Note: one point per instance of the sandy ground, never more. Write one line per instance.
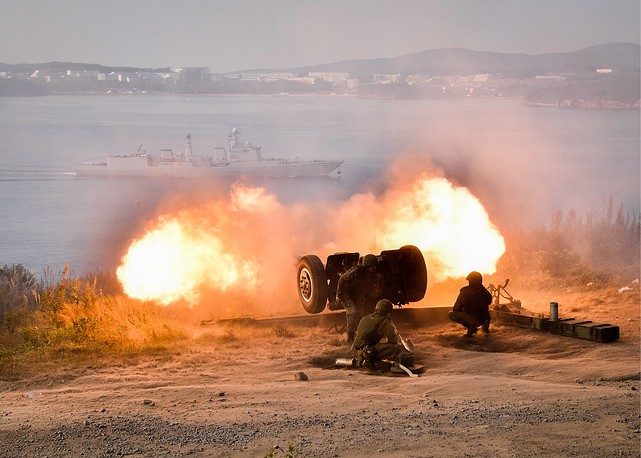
(235, 392)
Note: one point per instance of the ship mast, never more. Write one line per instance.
(188, 148)
(233, 138)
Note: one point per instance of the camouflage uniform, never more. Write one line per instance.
(358, 291)
(371, 330)
(471, 308)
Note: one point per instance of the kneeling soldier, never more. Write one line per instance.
(371, 331)
(471, 308)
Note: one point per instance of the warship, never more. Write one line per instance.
(238, 158)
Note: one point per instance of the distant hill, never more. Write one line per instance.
(570, 78)
(459, 61)
(605, 92)
(64, 66)
(15, 87)
(435, 62)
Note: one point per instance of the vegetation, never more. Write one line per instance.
(45, 320)
(604, 91)
(601, 248)
(20, 88)
(88, 318)
(291, 452)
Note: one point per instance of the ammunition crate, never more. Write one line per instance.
(597, 332)
(568, 327)
(564, 327)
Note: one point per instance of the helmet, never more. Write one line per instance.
(384, 305)
(369, 260)
(474, 277)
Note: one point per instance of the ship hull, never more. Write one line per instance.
(237, 159)
(203, 170)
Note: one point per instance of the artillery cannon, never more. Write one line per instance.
(403, 271)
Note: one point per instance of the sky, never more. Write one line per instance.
(231, 35)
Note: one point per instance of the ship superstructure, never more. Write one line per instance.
(237, 158)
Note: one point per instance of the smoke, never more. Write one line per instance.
(459, 179)
(523, 166)
(421, 207)
(238, 254)
(227, 255)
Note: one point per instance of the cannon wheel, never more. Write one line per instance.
(414, 272)
(312, 284)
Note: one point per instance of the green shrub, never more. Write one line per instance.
(291, 452)
(17, 291)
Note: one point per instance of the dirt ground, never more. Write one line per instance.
(235, 391)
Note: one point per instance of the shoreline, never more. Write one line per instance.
(584, 105)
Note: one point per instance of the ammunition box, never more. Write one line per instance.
(564, 327)
(597, 332)
(568, 327)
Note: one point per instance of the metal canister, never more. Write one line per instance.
(554, 311)
(346, 362)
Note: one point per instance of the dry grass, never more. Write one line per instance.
(73, 319)
(89, 321)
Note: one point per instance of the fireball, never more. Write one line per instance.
(172, 261)
(249, 243)
(447, 223)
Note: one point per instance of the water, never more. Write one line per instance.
(521, 162)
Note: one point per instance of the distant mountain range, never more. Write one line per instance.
(64, 66)
(436, 62)
(459, 61)
(566, 80)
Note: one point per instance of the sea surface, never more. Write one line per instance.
(521, 162)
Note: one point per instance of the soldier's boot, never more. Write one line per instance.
(405, 358)
(471, 330)
(350, 337)
(362, 361)
(368, 363)
(485, 327)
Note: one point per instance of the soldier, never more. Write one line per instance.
(358, 290)
(371, 331)
(471, 308)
